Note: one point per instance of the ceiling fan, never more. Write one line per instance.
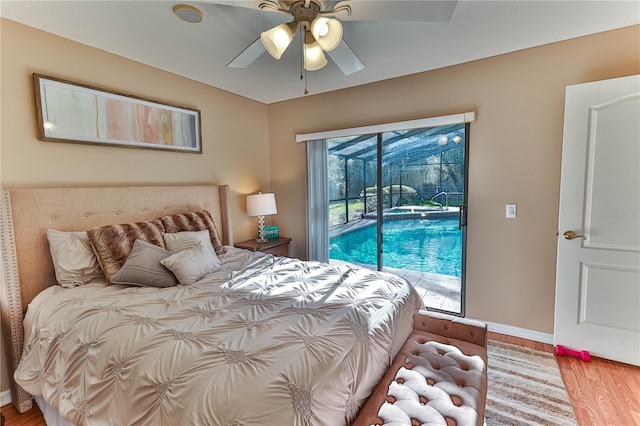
(320, 27)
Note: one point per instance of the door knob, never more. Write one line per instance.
(570, 235)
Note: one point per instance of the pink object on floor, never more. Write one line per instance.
(583, 355)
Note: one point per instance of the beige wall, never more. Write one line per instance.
(515, 154)
(234, 129)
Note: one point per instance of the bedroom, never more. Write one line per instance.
(512, 92)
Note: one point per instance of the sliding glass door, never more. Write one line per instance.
(396, 203)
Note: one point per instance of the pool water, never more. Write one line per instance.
(433, 246)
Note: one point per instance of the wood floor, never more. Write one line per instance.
(602, 392)
(30, 418)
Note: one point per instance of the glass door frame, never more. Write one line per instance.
(317, 195)
(462, 216)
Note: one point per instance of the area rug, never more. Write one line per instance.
(525, 388)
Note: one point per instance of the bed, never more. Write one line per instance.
(261, 340)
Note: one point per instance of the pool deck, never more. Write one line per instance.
(370, 218)
(349, 226)
(437, 291)
(441, 292)
(416, 212)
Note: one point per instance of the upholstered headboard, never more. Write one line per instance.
(27, 213)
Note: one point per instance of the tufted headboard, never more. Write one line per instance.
(27, 213)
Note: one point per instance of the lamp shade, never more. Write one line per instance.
(261, 204)
(277, 39)
(328, 32)
(314, 58)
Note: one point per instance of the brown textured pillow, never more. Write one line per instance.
(112, 244)
(194, 221)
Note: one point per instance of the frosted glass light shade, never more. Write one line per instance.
(277, 39)
(314, 58)
(328, 32)
(261, 204)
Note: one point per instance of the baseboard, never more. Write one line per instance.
(5, 398)
(536, 336)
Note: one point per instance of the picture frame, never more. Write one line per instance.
(78, 113)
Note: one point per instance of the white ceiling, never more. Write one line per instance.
(148, 32)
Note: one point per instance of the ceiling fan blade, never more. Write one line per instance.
(345, 58)
(248, 55)
(400, 10)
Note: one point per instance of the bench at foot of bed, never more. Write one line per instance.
(438, 377)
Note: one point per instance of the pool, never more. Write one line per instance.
(433, 246)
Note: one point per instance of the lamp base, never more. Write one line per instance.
(261, 238)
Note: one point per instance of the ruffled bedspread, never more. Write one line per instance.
(275, 341)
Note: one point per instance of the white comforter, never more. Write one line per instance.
(276, 341)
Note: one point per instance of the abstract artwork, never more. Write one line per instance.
(70, 112)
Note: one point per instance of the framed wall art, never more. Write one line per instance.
(71, 112)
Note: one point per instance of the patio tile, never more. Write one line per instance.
(421, 291)
(451, 305)
(434, 299)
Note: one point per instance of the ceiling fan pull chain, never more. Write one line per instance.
(304, 59)
(303, 68)
(301, 53)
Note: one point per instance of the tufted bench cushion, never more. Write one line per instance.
(439, 377)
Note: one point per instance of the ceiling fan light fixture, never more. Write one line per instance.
(277, 39)
(328, 32)
(314, 57)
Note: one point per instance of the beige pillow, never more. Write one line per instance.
(194, 221)
(113, 243)
(192, 264)
(143, 267)
(74, 262)
(178, 241)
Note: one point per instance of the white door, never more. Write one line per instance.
(598, 275)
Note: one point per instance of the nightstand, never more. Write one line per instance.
(275, 246)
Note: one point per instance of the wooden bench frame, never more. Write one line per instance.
(467, 335)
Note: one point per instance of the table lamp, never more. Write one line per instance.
(261, 205)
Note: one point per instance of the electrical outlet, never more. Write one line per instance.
(511, 211)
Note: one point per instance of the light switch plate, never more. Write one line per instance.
(511, 211)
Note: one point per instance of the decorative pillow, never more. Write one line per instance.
(73, 259)
(184, 240)
(143, 267)
(194, 221)
(112, 244)
(191, 265)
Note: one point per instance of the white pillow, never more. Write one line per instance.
(192, 264)
(178, 241)
(73, 259)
